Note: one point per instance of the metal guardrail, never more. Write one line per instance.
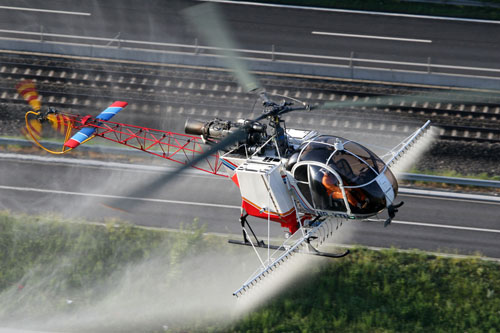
(450, 180)
(272, 55)
(345, 67)
(125, 151)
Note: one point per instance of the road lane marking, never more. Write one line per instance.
(251, 52)
(88, 163)
(110, 196)
(40, 10)
(467, 197)
(178, 202)
(336, 34)
(475, 201)
(432, 225)
(351, 11)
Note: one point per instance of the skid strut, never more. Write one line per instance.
(299, 242)
(311, 249)
(246, 241)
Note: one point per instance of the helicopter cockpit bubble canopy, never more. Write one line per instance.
(338, 175)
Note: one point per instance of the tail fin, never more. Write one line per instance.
(86, 133)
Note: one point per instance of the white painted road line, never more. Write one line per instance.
(335, 34)
(441, 195)
(109, 196)
(40, 10)
(432, 225)
(177, 202)
(87, 163)
(350, 11)
(457, 227)
(450, 195)
(251, 52)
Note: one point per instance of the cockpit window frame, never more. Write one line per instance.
(329, 169)
(371, 181)
(344, 142)
(345, 164)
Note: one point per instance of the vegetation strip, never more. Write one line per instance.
(74, 265)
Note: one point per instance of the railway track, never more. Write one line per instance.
(154, 91)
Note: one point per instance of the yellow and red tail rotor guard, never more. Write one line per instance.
(61, 123)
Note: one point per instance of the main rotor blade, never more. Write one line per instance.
(154, 185)
(157, 183)
(211, 26)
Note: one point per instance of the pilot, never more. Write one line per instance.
(330, 183)
(355, 197)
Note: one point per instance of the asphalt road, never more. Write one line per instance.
(394, 38)
(452, 225)
(214, 200)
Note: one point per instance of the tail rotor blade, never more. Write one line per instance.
(27, 90)
(208, 22)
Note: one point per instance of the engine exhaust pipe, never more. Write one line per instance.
(194, 127)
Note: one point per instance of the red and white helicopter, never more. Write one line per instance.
(307, 182)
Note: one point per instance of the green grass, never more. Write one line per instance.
(388, 291)
(368, 291)
(396, 6)
(45, 260)
(453, 173)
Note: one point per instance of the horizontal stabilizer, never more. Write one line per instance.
(86, 133)
(113, 109)
(79, 137)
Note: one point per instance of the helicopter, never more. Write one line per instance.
(307, 182)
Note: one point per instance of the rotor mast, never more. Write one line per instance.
(273, 111)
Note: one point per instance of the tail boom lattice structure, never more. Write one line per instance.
(179, 148)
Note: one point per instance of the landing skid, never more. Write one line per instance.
(298, 242)
(311, 251)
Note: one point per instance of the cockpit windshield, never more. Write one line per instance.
(336, 174)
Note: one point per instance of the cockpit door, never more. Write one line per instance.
(322, 186)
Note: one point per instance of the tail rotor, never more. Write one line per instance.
(35, 118)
